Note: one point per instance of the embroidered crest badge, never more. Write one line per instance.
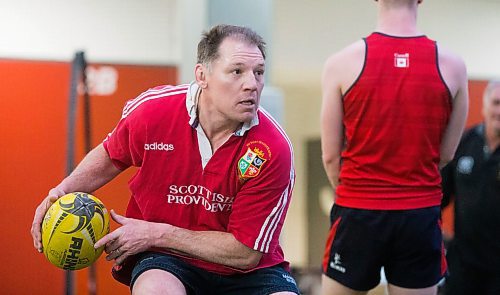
(251, 163)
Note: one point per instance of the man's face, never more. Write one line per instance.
(491, 110)
(234, 81)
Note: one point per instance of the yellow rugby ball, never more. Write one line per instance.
(71, 227)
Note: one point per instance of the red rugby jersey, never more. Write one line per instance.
(244, 188)
(395, 115)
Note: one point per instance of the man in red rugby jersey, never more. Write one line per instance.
(394, 107)
(214, 181)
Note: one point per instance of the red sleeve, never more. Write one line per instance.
(260, 207)
(124, 144)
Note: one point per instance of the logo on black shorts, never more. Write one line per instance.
(336, 263)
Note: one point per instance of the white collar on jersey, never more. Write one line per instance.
(193, 94)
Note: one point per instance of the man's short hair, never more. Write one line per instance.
(489, 88)
(208, 47)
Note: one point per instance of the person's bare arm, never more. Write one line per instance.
(95, 170)
(135, 236)
(332, 131)
(454, 74)
(340, 72)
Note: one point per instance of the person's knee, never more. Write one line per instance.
(157, 281)
(395, 290)
(329, 286)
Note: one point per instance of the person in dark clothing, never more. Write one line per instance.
(472, 179)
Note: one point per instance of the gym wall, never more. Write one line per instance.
(33, 127)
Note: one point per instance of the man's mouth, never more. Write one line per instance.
(249, 102)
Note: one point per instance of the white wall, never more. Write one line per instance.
(306, 32)
(193, 20)
(470, 28)
(143, 32)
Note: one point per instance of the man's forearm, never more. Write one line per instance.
(94, 171)
(332, 169)
(212, 246)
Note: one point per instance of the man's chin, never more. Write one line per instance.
(247, 117)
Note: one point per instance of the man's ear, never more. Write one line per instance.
(200, 72)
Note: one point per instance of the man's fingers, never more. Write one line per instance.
(118, 218)
(52, 199)
(119, 260)
(105, 240)
(111, 246)
(113, 254)
(36, 234)
(37, 222)
(119, 255)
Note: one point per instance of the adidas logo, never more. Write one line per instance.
(158, 146)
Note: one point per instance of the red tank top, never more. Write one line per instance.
(395, 115)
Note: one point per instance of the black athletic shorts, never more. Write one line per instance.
(198, 281)
(407, 243)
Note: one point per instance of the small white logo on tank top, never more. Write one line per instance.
(402, 60)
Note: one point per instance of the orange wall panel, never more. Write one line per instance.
(33, 126)
(32, 153)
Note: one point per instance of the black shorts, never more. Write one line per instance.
(199, 281)
(407, 243)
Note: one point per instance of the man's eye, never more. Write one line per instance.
(259, 73)
(237, 71)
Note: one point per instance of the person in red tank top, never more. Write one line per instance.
(394, 108)
(213, 185)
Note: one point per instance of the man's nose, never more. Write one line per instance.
(251, 81)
